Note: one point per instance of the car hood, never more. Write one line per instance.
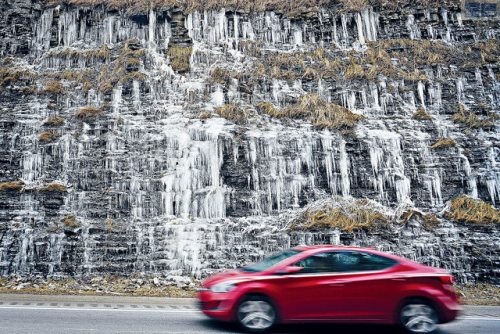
(228, 275)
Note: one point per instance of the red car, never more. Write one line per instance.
(332, 284)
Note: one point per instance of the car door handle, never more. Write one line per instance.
(398, 279)
(337, 283)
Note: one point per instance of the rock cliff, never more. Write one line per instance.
(180, 139)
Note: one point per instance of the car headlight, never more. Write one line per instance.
(223, 287)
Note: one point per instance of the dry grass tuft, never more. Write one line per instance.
(479, 294)
(70, 221)
(470, 119)
(88, 112)
(321, 113)
(468, 210)
(268, 108)
(53, 187)
(204, 115)
(180, 58)
(232, 112)
(54, 121)
(53, 87)
(109, 224)
(444, 143)
(429, 221)
(11, 186)
(357, 216)
(48, 136)
(422, 115)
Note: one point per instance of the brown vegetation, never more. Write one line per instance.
(468, 210)
(357, 216)
(53, 87)
(88, 112)
(9, 75)
(321, 113)
(180, 57)
(287, 7)
(48, 136)
(471, 119)
(232, 112)
(11, 186)
(54, 121)
(422, 115)
(70, 221)
(429, 221)
(53, 187)
(444, 143)
(102, 53)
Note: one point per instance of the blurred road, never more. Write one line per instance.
(78, 314)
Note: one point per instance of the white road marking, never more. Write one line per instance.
(97, 309)
(479, 318)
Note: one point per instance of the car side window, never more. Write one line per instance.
(341, 262)
(317, 263)
(372, 262)
(359, 261)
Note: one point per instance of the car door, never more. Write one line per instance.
(309, 294)
(363, 284)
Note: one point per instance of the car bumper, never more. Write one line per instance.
(217, 305)
(450, 309)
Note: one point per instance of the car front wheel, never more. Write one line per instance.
(419, 317)
(256, 314)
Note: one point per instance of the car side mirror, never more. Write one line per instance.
(288, 270)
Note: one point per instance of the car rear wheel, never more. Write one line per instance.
(419, 317)
(256, 314)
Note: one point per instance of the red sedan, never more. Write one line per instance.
(332, 284)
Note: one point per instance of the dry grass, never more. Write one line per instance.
(97, 286)
(268, 108)
(102, 53)
(287, 7)
(48, 136)
(429, 221)
(88, 112)
(9, 75)
(357, 216)
(53, 187)
(470, 119)
(53, 87)
(444, 143)
(422, 115)
(222, 76)
(180, 57)
(468, 210)
(11, 186)
(479, 294)
(204, 115)
(70, 221)
(54, 121)
(321, 113)
(232, 112)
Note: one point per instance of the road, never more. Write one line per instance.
(102, 315)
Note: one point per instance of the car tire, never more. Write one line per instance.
(418, 316)
(256, 314)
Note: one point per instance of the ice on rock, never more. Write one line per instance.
(190, 196)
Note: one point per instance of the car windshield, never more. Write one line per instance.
(270, 261)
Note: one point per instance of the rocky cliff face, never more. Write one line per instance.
(186, 140)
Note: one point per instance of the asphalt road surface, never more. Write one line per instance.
(100, 315)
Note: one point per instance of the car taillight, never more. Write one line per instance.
(446, 279)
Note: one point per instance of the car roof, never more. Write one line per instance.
(318, 248)
(329, 247)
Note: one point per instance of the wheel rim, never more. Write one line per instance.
(256, 314)
(419, 318)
